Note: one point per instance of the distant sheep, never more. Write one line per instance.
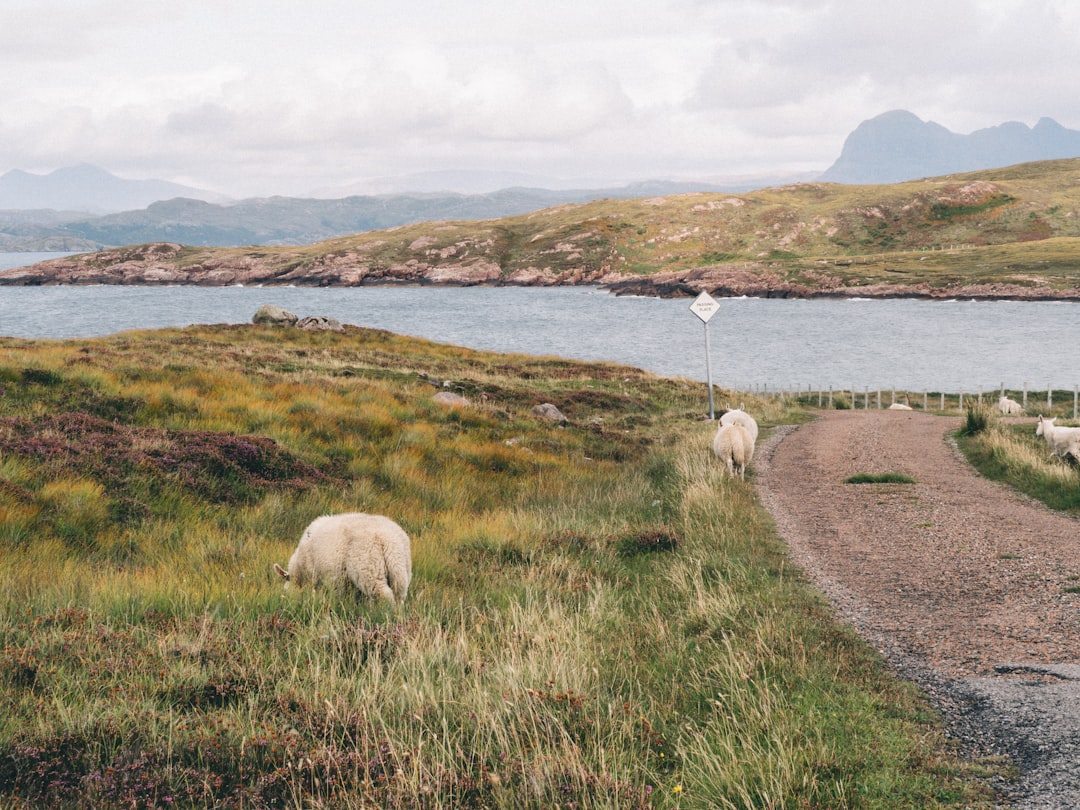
(899, 406)
(370, 551)
(1010, 407)
(734, 447)
(1064, 442)
(738, 417)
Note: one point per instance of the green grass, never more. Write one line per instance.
(598, 617)
(879, 478)
(1013, 454)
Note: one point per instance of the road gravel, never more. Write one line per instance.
(966, 587)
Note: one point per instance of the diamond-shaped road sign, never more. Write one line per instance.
(704, 306)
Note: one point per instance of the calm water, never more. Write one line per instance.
(910, 345)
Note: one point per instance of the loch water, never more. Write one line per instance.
(755, 344)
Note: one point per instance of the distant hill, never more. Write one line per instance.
(892, 148)
(291, 220)
(88, 189)
(898, 146)
(1012, 232)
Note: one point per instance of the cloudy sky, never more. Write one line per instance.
(258, 97)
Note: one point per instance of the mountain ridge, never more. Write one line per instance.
(275, 221)
(90, 189)
(893, 147)
(1012, 232)
(898, 146)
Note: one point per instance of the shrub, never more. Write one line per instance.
(978, 418)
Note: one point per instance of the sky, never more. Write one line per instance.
(261, 97)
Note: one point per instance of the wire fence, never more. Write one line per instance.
(1031, 402)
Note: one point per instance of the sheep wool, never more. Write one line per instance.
(740, 417)
(1010, 407)
(1064, 442)
(371, 552)
(734, 447)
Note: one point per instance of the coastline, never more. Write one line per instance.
(167, 264)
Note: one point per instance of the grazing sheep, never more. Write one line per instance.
(1064, 442)
(899, 406)
(1010, 407)
(734, 447)
(737, 417)
(370, 551)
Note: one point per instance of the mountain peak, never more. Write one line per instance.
(897, 146)
(89, 188)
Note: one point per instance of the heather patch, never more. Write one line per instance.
(38, 389)
(220, 467)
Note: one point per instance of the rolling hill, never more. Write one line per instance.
(1010, 232)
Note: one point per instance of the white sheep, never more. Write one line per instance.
(734, 447)
(1010, 407)
(370, 551)
(738, 417)
(1064, 442)
(899, 406)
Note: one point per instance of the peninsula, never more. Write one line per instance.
(1011, 233)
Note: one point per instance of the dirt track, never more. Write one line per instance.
(963, 585)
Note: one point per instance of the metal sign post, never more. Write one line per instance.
(705, 307)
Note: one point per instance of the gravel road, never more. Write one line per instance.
(964, 586)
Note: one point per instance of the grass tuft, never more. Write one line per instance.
(879, 478)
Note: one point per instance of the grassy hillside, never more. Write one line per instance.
(597, 618)
(1016, 227)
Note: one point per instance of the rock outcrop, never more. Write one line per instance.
(272, 315)
(315, 323)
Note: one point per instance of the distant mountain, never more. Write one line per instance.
(292, 220)
(475, 181)
(898, 146)
(89, 189)
(999, 233)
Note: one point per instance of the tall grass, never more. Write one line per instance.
(1013, 454)
(598, 619)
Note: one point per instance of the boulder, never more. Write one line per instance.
(549, 412)
(315, 322)
(272, 315)
(450, 399)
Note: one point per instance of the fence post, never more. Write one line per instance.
(960, 401)
(866, 398)
(925, 400)
(1076, 389)
(1049, 404)
(1025, 396)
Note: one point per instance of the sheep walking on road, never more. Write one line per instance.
(370, 551)
(734, 447)
(1064, 442)
(1010, 407)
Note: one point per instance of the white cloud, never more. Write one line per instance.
(271, 96)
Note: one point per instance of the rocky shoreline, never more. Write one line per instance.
(167, 264)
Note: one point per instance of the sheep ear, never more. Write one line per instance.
(281, 571)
